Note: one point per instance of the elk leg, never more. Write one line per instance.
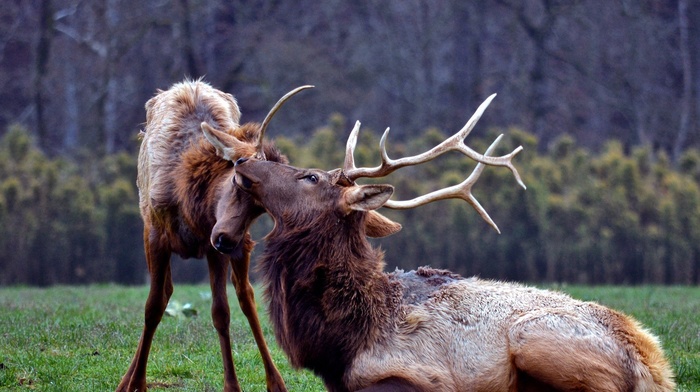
(246, 299)
(158, 260)
(560, 351)
(221, 316)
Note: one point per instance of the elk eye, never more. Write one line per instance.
(312, 178)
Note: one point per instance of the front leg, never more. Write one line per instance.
(246, 299)
(221, 316)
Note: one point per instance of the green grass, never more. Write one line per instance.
(83, 338)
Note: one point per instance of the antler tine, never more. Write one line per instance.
(454, 142)
(349, 163)
(462, 191)
(351, 172)
(259, 147)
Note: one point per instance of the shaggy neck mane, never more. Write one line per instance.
(328, 295)
(198, 179)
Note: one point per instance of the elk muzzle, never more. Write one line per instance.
(223, 243)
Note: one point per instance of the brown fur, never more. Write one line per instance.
(337, 313)
(184, 184)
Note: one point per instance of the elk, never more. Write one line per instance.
(185, 188)
(336, 312)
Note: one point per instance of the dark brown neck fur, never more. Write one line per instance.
(328, 295)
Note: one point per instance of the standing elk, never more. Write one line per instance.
(185, 188)
(336, 312)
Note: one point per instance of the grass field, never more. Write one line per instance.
(83, 338)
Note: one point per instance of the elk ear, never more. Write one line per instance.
(227, 146)
(365, 197)
(379, 226)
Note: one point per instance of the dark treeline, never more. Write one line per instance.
(76, 73)
(610, 217)
(607, 94)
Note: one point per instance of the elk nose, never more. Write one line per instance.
(240, 161)
(224, 244)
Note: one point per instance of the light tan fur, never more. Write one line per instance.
(168, 113)
(480, 335)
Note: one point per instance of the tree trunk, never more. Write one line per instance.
(686, 99)
(110, 85)
(43, 50)
(187, 41)
(466, 67)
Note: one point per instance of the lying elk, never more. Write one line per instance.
(337, 313)
(185, 188)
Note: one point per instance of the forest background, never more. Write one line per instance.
(603, 95)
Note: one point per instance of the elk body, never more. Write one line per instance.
(185, 194)
(336, 312)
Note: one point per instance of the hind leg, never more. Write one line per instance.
(158, 259)
(246, 299)
(567, 353)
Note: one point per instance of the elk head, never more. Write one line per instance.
(290, 193)
(235, 211)
(284, 190)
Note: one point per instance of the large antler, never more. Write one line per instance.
(453, 143)
(259, 147)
